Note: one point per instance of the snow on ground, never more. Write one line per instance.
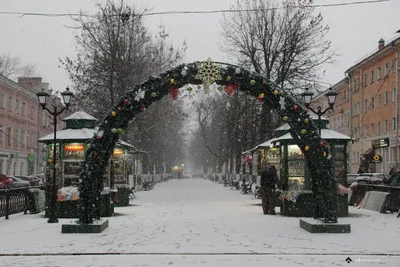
(181, 223)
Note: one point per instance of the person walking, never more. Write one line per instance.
(269, 180)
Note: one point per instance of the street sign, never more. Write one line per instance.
(377, 158)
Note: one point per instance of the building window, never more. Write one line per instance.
(358, 108)
(372, 76)
(386, 126)
(22, 137)
(1, 133)
(379, 100)
(378, 129)
(365, 79)
(17, 106)
(10, 103)
(372, 102)
(365, 130)
(16, 137)
(386, 69)
(354, 157)
(365, 105)
(9, 135)
(394, 95)
(394, 65)
(3, 100)
(394, 124)
(23, 109)
(378, 73)
(372, 129)
(386, 98)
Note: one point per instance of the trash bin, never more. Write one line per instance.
(37, 200)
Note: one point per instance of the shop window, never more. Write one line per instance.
(296, 168)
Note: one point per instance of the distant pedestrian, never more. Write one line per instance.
(179, 175)
(269, 181)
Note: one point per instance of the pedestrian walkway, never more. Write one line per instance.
(190, 221)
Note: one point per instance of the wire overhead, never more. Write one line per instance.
(22, 14)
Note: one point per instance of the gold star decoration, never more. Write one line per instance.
(208, 72)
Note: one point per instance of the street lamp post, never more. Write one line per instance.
(307, 98)
(330, 215)
(43, 97)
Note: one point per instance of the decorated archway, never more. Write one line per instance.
(232, 79)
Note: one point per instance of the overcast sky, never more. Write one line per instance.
(354, 31)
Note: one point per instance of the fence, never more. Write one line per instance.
(221, 177)
(14, 200)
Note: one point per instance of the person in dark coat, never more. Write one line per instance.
(269, 180)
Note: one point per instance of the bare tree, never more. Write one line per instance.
(284, 42)
(9, 65)
(115, 52)
(158, 131)
(29, 70)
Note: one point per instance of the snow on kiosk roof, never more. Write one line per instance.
(326, 134)
(80, 115)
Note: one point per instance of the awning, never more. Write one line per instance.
(268, 143)
(326, 134)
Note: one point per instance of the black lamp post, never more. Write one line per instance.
(43, 97)
(326, 192)
(307, 98)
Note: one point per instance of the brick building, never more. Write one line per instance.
(367, 108)
(22, 123)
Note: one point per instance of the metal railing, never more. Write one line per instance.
(14, 200)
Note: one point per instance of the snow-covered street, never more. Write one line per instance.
(197, 222)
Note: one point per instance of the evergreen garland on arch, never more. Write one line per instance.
(232, 79)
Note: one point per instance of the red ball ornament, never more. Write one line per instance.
(100, 137)
(142, 107)
(126, 101)
(295, 107)
(173, 91)
(119, 108)
(259, 99)
(230, 89)
(321, 144)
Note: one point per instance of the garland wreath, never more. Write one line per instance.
(229, 78)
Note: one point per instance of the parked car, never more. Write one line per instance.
(32, 180)
(19, 183)
(5, 182)
(369, 179)
(379, 175)
(351, 178)
(40, 176)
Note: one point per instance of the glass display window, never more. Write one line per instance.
(296, 168)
